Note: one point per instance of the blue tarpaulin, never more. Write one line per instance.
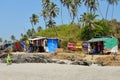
(22, 44)
(52, 45)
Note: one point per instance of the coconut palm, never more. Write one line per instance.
(29, 33)
(45, 11)
(39, 28)
(1, 40)
(99, 9)
(5, 41)
(91, 5)
(113, 2)
(61, 1)
(24, 38)
(13, 38)
(74, 12)
(45, 14)
(22, 35)
(89, 20)
(53, 12)
(45, 3)
(87, 4)
(72, 6)
(34, 20)
(77, 4)
(67, 3)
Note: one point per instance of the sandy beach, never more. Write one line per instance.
(50, 71)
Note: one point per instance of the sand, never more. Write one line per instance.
(50, 71)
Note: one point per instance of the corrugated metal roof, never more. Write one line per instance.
(39, 38)
(97, 39)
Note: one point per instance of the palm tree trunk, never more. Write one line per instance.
(45, 23)
(32, 31)
(112, 11)
(107, 11)
(77, 12)
(61, 14)
(54, 27)
(69, 15)
(100, 9)
(55, 31)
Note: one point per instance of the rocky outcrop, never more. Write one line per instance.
(27, 58)
(82, 62)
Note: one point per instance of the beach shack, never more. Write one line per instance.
(44, 44)
(37, 44)
(101, 44)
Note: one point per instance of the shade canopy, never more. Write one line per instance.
(97, 39)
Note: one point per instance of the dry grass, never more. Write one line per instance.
(109, 60)
(63, 56)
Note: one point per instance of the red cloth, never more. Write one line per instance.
(18, 46)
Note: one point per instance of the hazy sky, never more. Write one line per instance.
(14, 16)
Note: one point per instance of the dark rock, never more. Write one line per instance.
(27, 58)
(61, 62)
(87, 63)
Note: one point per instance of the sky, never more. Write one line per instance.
(15, 14)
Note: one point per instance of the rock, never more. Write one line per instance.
(87, 63)
(55, 61)
(27, 58)
(61, 62)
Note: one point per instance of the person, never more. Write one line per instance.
(93, 51)
(9, 61)
(98, 46)
(89, 48)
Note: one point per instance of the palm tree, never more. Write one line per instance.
(113, 2)
(1, 40)
(77, 4)
(13, 38)
(67, 3)
(74, 12)
(5, 41)
(24, 38)
(33, 30)
(49, 12)
(22, 35)
(72, 6)
(29, 33)
(91, 5)
(87, 4)
(45, 3)
(53, 12)
(39, 28)
(45, 14)
(89, 20)
(61, 1)
(34, 20)
(99, 9)
(45, 11)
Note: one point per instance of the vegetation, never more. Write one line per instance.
(87, 25)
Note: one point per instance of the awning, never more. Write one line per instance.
(97, 39)
(40, 38)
